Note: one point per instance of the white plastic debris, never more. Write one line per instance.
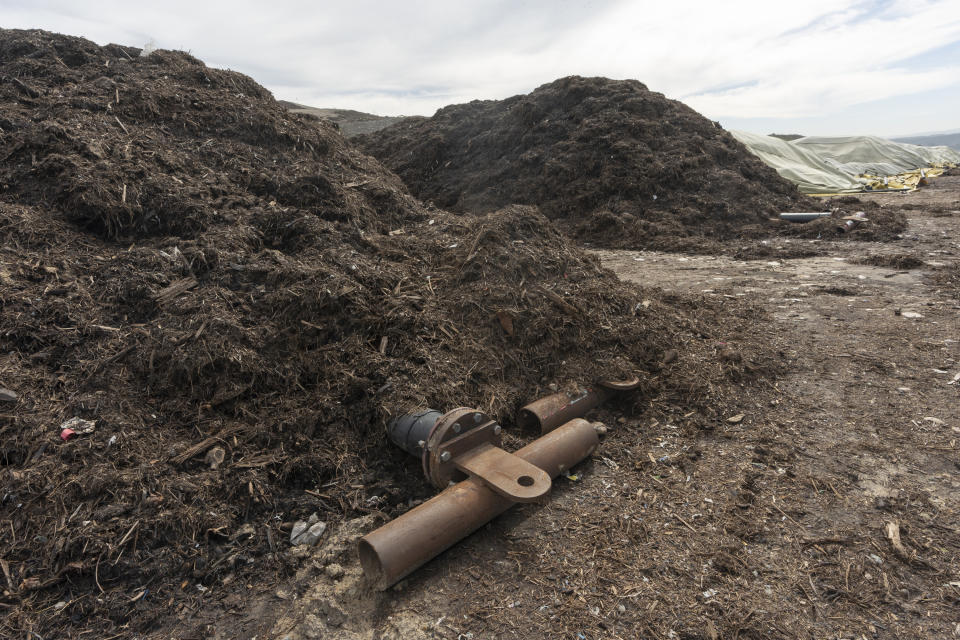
(79, 425)
(307, 532)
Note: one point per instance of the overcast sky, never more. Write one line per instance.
(819, 67)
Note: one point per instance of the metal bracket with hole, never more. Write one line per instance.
(460, 449)
(466, 442)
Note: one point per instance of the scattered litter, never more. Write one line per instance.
(215, 457)
(736, 419)
(937, 422)
(910, 314)
(307, 532)
(76, 427)
(892, 531)
(955, 380)
(6, 395)
(79, 425)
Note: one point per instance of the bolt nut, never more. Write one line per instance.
(421, 443)
(477, 418)
(445, 456)
(456, 427)
(497, 429)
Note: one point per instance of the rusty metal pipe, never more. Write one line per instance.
(393, 551)
(546, 414)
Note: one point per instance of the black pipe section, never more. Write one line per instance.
(410, 430)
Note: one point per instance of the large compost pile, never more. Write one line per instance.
(210, 309)
(620, 165)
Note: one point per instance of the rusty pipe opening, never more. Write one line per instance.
(370, 562)
(546, 414)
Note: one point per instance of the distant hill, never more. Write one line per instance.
(351, 123)
(786, 136)
(951, 140)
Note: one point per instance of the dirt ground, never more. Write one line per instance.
(825, 506)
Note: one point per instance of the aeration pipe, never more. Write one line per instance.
(397, 548)
(546, 414)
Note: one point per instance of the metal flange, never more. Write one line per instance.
(465, 442)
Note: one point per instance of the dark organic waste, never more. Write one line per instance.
(617, 164)
(892, 261)
(237, 299)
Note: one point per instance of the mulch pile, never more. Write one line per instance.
(621, 165)
(238, 300)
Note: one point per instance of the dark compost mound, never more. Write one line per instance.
(622, 166)
(237, 300)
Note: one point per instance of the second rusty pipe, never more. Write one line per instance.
(546, 414)
(405, 543)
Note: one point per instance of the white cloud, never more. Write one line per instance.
(749, 58)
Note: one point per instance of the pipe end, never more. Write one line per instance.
(528, 421)
(370, 562)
